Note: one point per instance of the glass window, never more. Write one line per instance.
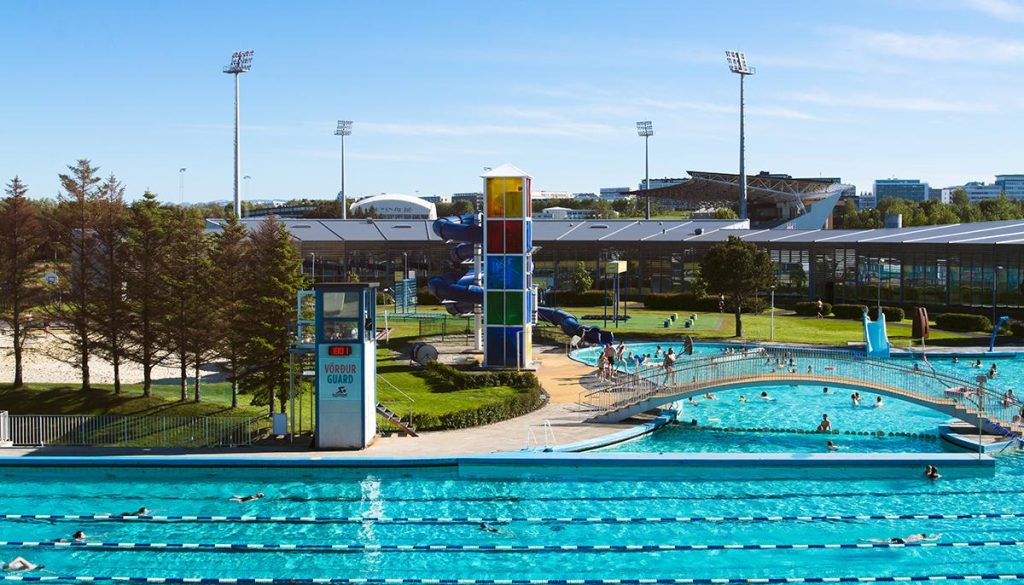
(341, 305)
(334, 330)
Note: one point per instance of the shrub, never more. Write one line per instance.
(423, 297)
(963, 322)
(1016, 328)
(590, 298)
(445, 378)
(525, 401)
(810, 309)
(848, 311)
(892, 314)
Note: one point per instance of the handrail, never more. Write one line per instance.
(412, 403)
(979, 397)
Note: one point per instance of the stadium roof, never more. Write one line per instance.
(1009, 232)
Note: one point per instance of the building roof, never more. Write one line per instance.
(505, 170)
(1010, 232)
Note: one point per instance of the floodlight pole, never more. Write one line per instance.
(181, 186)
(344, 129)
(743, 149)
(241, 62)
(645, 130)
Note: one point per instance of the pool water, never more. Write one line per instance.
(435, 493)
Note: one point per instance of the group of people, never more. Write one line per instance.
(614, 359)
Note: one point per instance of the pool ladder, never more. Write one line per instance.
(549, 437)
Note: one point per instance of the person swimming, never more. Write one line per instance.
(743, 398)
(932, 472)
(856, 398)
(878, 402)
(825, 390)
(921, 537)
(765, 397)
(20, 564)
(78, 536)
(710, 396)
(250, 498)
(692, 401)
(143, 511)
(831, 446)
(488, 528)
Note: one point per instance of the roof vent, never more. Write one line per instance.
(698, 231)
(599, 226)
(401, 226)
(296, 226)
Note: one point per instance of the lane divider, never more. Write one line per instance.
(415, 581)
(503, 519)
(210, 546)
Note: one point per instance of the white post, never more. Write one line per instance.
(238, 165)
(771, 334)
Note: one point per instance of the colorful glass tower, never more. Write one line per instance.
(508, 268)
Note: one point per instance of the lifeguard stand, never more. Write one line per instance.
(346, 365)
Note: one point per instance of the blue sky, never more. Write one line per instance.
(924, 89)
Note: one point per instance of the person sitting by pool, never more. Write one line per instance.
(765, 397)
(826, 425)
(249, 498)
(20, 564)
(878, 402)
(710, 396)
(831, 446)
(931, 472)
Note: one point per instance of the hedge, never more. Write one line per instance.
(963, 322)
(524, 402)
(810, 309)
(690, 302)
(1016, 328)
(849, 311)
(892, 314)
(445, 378)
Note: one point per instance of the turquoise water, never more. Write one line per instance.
(425, 492)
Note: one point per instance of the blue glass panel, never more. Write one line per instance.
(495, 271)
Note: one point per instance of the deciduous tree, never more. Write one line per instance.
(738, 269)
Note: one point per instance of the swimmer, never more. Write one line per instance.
(878, 402)
(488, 528)
(20, 564)
(977, 364)
(143, 511)
(710, 396)
(825, 390)
(831, 446)
(78, 536)
(931, 472)
(856, 398)
(917, 368)
(692, 401)
(922, 537)
(810, 370)
(743, 398)
(765, 397)
(252, 498)
(956, 360)
(826, 425)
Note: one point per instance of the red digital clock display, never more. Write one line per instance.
(339, 350)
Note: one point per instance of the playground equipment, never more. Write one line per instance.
(460, 293)
(875, 337)
(995, 331)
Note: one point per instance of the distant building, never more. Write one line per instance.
(474, 198)
(542, 195)
(281, 211)
(866, 201)
(435, 199)
(395, 206)
(662, 182)
(564, 213)
(584, 195)
(912, 189)
(615, 193)
(1012, 185)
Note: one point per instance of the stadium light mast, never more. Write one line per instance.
(645, 130)
(181, 185)
(344, 129)
(241, 62)
(738, 65)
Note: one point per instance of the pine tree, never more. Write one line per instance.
(232, 250)
(110, 312)
(146, 243)
(75, 244)
(22, 239)
(274, 280)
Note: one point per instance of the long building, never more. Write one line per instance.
(942, 267)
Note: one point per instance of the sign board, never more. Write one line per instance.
(51, 278)
(340, 375)
(615, 267)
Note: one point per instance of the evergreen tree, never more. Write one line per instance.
(110, 312)
(22, 239)
(581, 279)
(75, 243)
(146, 243)
(275, 277)
(231, 254)
(738, 269)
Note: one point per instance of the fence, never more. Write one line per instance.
(132, 431)
(5, 429)
(445, 326)
(815, 366)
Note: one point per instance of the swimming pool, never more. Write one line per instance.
(655, 527)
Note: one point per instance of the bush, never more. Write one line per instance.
(423, 297)
(689, 302)
(590, 298)
(892, 314)
(963, 322)
(849, 311)
(810, 309)
(1016, 328)
(445, 378)
(524, 402)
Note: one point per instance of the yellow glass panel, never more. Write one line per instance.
(514, 197)
(496, 197)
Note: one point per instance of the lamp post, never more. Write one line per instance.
(405, 262)
(645, 130)
(881, 263)
(241, 62)
(995, 283)
(312, 267)
(181, 185)
(738, 64)
(344, 129)
(771, 328)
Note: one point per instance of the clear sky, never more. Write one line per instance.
(927, 89)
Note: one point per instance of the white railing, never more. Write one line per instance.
(814, 366)
(5, 429)
(68, 430)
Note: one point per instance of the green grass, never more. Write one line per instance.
(69, 399)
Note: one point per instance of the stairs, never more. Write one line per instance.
(394, 418)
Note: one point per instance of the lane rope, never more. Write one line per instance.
(416, 581)
(502, 519)
(517, 548)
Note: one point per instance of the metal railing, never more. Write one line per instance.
(132, 431)
(5, 428)
(410, 403)
(918, 383)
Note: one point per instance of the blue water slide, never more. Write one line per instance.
(875, 337)
(460, 294)
(995, 331)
